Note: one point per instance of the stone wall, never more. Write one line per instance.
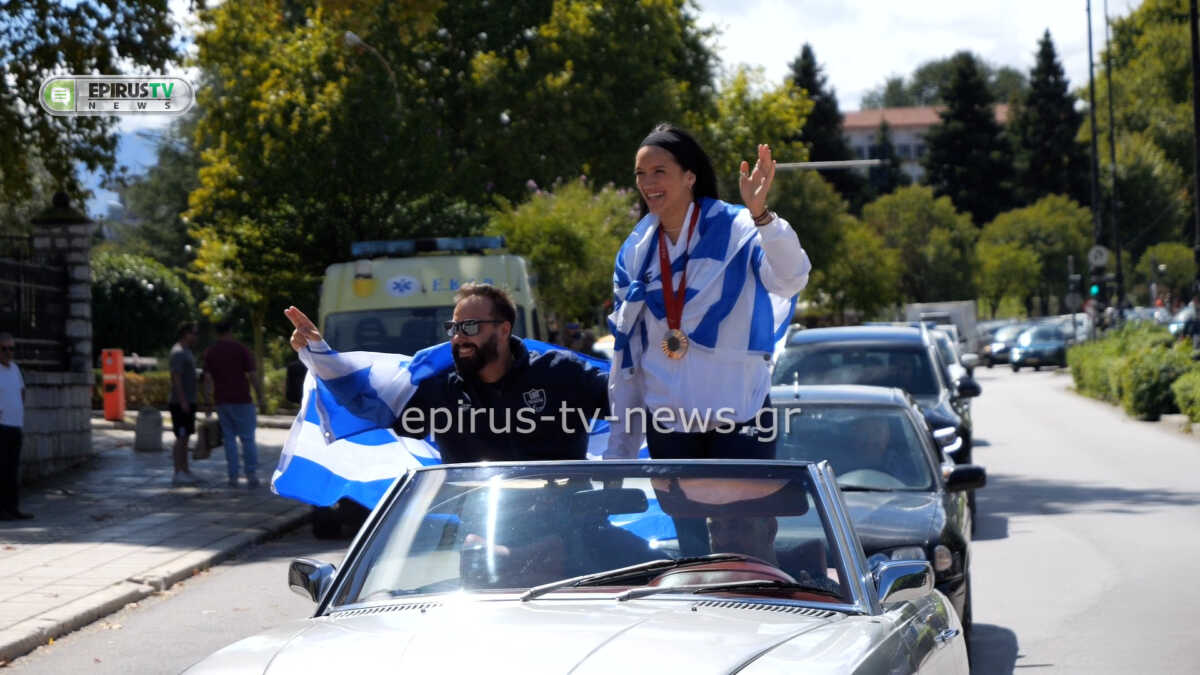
(58, 422)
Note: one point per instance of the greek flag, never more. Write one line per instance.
(727, 303)
(342, 444)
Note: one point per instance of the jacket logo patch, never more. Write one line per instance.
(536, 399)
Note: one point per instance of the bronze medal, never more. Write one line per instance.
(675, 345)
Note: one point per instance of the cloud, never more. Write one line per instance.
(862, 42)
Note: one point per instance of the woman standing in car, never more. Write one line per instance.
(691, 346)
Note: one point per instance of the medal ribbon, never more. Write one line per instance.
(672, 301)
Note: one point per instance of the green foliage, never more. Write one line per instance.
(154, 202)
(885, 179)
(862, 273)
(823, 127)
(935, 242)
(815, 210)
(137, 303)
(749, 113)
(968, 158)
(152, 389)
(1180, 268)
(274, 388)
(48, 37)
(1098, 366)
(1154, 203)
(930, 80)
(1047, 157)
(570, 236)
(1005, 269)
(1053, 228)
(1146, 379)
(1187, 394)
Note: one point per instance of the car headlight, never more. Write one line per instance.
(997, 346)
(907, 553)
(943, 559)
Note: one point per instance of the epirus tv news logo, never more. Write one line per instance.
(115, 95)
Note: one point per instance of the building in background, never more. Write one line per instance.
(908, 127)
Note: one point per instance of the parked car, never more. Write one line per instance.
(1183, 323)
(1002, 343)
(958, 364)
(556, 567)
(885, 356)
(907, 500)
(1042, 345)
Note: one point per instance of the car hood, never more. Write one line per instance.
(887, 520)
(714, 635)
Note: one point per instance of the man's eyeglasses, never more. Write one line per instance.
(469, 327)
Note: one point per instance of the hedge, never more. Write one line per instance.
(1187, 394)
(1134, 366)
(154, 387)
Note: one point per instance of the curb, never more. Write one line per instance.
(24, 637)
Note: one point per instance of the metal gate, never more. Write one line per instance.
(33, 305)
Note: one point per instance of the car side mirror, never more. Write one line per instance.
(966, 477)
(967, 387)
(969, 360)
(902, 580)
(310, 578)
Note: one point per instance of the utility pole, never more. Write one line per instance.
(1112, 161)
(1096, 228)
(1196, 142)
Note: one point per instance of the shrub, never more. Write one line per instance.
(1146, 378)
(274, 384)
(1187, 394)
(137, 303)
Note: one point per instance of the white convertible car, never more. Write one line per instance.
(610, 567)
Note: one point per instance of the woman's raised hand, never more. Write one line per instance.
(305, 330)
(757, 183)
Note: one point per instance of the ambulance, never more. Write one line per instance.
(396, 295)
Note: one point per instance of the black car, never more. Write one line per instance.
(883, 356)
(1041, 345)
(907, 500)
(1002, 343)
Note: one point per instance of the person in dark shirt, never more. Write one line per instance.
(499, 402)
(228, 373)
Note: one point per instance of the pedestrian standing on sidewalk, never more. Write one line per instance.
(182, 401)
(12, 420)
(228, 373)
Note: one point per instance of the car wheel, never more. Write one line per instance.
(989, 363)
(1036, 368)
(1016, 368)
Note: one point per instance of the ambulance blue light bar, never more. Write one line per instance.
(407, 247)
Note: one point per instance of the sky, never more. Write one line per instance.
(858, 42)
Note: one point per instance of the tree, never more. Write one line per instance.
(885, 179)
(816, 211)
(1170, 265)
(137, 302)
(154, 202)
(823, 127)
(1047, 157)
(930, 80)
(570, 236)
(968, 159)
(748, 113)
(863, 273)
(1153, 191)
(1054, 228)
(40, 38)
(936, 243)
(1003, 270)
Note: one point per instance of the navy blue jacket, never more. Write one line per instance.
(529, 399)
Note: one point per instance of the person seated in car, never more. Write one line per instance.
(755, 536)
(870, 441)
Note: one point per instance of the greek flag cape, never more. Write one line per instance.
(342, 444)
(727, 310)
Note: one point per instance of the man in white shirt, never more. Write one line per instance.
(12, 419)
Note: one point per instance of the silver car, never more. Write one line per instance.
(610, 567)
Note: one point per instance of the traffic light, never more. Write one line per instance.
(1098, 288)
(1073, 281)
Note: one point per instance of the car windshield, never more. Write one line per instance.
(509, 528)
(870, 447)
(1009, 333)
(403, 330)
(884, 365)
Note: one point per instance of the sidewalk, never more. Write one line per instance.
(114, 531)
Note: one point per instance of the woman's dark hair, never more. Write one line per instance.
(690, 156)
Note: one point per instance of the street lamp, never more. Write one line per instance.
(354, 42)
